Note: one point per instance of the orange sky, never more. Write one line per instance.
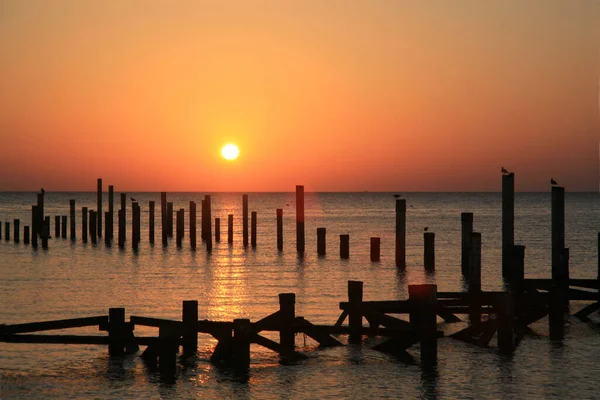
(378, 95)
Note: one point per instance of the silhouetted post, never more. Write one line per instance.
(72, 218)
(300, 219)
(0, 229)
(135, 225)
(151, 222)
(321, 241)
(7, 231)
(203, 220)
(245, 219)
(123, 224)
(193, 225)
(345, 246)
(556, 315)
(518, 269)
(56, 226)
(598, 259)
(190, 327)
(423, 301)
(179, 231)
(40, 214)
(280, 229)
(209, 240)
(34, 233)
(230, 228)
(168, 345)
(99, 210)
(505, 320)
(106, 228)
(508, 222)
(84, 224)
(111, 212)
(170, 219)
(121, 220)
(93, 229)
(429, 251)
(287, 313)
(26, 234)
(355, 298)
(560, 271)
(401, 233)
(217, 230)
(375, 249)
(475, 278)
(466, 220)
(116, 327)
(45, 232)
(241, 343)
(163, 216)
(64, 227)
(253, 229)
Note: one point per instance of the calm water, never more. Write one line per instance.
(73, 279)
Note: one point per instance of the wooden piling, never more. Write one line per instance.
(57, 226)
(99, 207)
(26, 234)
(344, 246)
(300, 219)
(151, 235)
(280, 229)
(203, 214)
(72, 220)
(7, 231)
(217, 230)
(560, 266)
(508, 222)
(121, 221)
(474, 279)
(517, 274)
(230, 228)
(253, 229)
(192, 213)
(135, 225)
(429, 251)
(423, 300)
(180, 227)
(116, 329)
(245, 219)
(209, 238)
(505, 320)
(170, 219)
(84, 224)
(287, 313)
(167, 350)
(401, 233)
(39, 214)
(111, 213)
(163, 217)
(106, 228)
(241, 343)
(34, 232)
(93, 230)
(556, 315)
(375, 249)
(466, 220)
(190, 327)
(64, 227)
(45, 231)
(355, 298)
(0, 229)
(321, 241)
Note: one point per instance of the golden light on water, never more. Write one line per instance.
(230, 151)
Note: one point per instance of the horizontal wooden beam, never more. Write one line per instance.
(53, 325)
(155, 322)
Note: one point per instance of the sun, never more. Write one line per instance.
(230, 151)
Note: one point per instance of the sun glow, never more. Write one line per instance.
(230, 151)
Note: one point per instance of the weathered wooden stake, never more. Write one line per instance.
(300, 219)
(121, 221)
(170, 219)
(423, 299)
(321, 241)
(72, 220)
(34, 232)
(505, 315)
(429, 250)
(56, 226)
(245, 219)
(45, 231)
(192, 213)
(517, 274)
(209, 238)
(179, 230)
(401, 233)
(203, 220)
(151, 207)
(93, 230)
(280, 229)
(217, 230)
(241, 343)
(167, 350)
(123, 228)
(64, 227)
(375, 249)
(556, 316)
(287, 313)
(7, 231)
(466, 220)
(230, 228)
(84, 224)
(253, 229)
(99, 207)
(508, 222)
(17, 230)
(560, 256)
(39, 214)
(345, 246)
(0, 229)
(106, 228)
(474, 279)
(190, 327)
(111, 213)
(26, 234)
(135, 225)
(163, 216)
(116, 326)
(355, 298)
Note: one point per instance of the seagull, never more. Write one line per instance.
(553, 182)
(43, 191)
(132, 199)
(503, 170)
(425, 229)
(397, 196)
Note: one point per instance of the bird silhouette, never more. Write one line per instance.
(132, 199)
(553, 182)
(397, 196)
(503, 170)
(43, 191)
(425, 229)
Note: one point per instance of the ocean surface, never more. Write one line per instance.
(73, 279)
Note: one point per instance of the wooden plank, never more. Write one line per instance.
(315, 333)
(585, 283)
(271, 345)
(397, 344)
(214, 327)
(446, 315)
(155, 322)
(383, 319)
(52, 325)
(586, 311)
(55, 339)
(270, 322)
(577, 294)
(342, 318)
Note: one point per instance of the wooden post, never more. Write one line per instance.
(560, 271)
(401, 233)
(72, 218)
(0, 229)
(111, 213)
(93, 230)
(151, 207)
(203, 220)
(375, 249)
(429, 250)
(34, 232)
(84, 224)
(99, 207)
(135, 225)
(209, 239)
(508, 222)
(40, 214)
(45, 232)
(253, 229)
(26, 234)
(190, 327)
(56, 226)
(355, 298)
(170, 219)
(7, 231)
(466, 220)
(167, 350)
(344, 246)
(556, 315)
(64, 227)
(193, 225)
(179, 230)
(280, 229)
(106, 228)
(517, 274)
(287, 313)
(423, 300)
(241, 343)
(505, 314)
(217, 230)
(121, 220)
(123, 223)
(321, 241)
(163, 217)
(245, 219)
(116, 323)
(300, 219)
(230, 228)
(598, 260)
(474, 279)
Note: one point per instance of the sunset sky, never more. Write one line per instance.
(378, 95)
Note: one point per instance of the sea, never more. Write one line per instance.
(73, 279)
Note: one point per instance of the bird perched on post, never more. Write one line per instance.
(132, 199)
(553, 182)
(503, 170)
(43, 191)
(425, 229)
(397, 196)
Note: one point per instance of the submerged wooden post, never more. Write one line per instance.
(106, 228)
(321, 241)
(474, 279)
(170, 219)
(505, 319)
(190, 327)
(401, 233)
(517, 274)
(355, 298)
(287, 313)
(230, 228)
(45, 232)
(151, 207)
(429, 250)
(344, 246)
(93, 230)
(209, 238)
(280, 229)
(84, 224)
(34, 231)
(7, 231)
(466, 221)
(508, 222)
(56, 226)
(0, 229)
(423, 301)
(39, 217)
(300, 219)
(203, 220)
(560, 265)
(72, 218)
(241, 343)
(17, 230)
(26, 234)
(121, 218)
(135, 225)
(253, 229)
(99, 207)
(64, 227)
(192, 225)
(116, 327)
(109, 231)
(179, 230)
(168, 346)
(163, 217)
(217, 230)
(375, 249)
(245, 219)
(556, 315)
(123, 223)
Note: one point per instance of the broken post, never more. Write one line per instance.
(241, 343)
(355, 298)
(300, 219)
(192, 225)
(64, 227)
(217, 230)
(99, 207)
(280, 229)
(26, 234)
(180, 226)
(375, 249)
(56, 226)
(287, 313)
(508, 222)
(474, 279)
(321, 241)
(190, 327)
(151, 207)
(466, 221)
(84, 224)
(116, 327)
(344, 246)
(253, 229)
(245, 219)
(429, 251)
(230, 228)
(401, 233)
(72, 218)
(423, 300)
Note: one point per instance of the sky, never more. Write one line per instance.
(337, 95)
